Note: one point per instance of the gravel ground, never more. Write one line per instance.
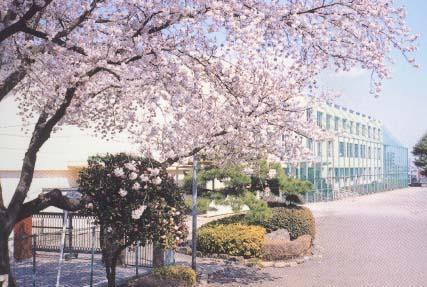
(374, 240)
(75, 272)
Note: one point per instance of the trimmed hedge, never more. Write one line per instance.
(281, 249)
(237, 218)
(232, 239)
(297, 220)
(182, 276)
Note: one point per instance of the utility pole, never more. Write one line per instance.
(194, 214)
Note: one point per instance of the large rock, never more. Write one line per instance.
(280, 234)
(274, 249)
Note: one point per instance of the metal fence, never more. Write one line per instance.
(339, 187)
(48, 227)
(77, 235)
(47, 268)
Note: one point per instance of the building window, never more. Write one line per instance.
(344, 125)
(363, 151)
(330, 148)
(349, 150)
(379, 153)
(310, 144)
(309, 113)
(351, 127)
(319, 149)
(342, 149)
(319, 119)
(328, 121)
(374, 133)
(369, 152)
(364, 130)
(369, 132)
(336, 123)
(357, 129)
(356, 150)
(379, 133)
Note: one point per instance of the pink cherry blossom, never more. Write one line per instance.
(231, 79)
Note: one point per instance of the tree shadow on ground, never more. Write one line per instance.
(240, 274)
(221, 272)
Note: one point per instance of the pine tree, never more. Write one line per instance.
(420, 153)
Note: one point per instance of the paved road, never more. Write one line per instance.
(375, 240)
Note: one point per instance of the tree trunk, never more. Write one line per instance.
(110, 267)
(158, 255)
(4, 257)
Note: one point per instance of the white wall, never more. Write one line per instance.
(42, 179)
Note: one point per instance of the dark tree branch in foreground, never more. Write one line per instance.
(51, 198)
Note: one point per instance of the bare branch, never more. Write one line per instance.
(51, 198)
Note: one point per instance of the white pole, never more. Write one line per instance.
(61, 256)
(194, 213)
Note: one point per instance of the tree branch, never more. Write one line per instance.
(55, 40)
(17, 26)
(11, 81)
(51, 198)
(41, 134)
(194, 151)
(80, 19)
(1, 198)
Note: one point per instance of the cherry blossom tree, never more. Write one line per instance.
(228, 79)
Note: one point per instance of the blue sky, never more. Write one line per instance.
(402, 105)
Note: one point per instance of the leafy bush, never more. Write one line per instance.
(237, 218)
(202, 205)
(297, 220)
(184, 276)
(282, 250)
(234, 179)
(231, 239)
(134, 200)
(258, 209)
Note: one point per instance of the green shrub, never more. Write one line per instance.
(232, 239)
(237, 218)
(202, 205)
(273, 249)
(184, 276)
(258, 209)
(297, 220)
